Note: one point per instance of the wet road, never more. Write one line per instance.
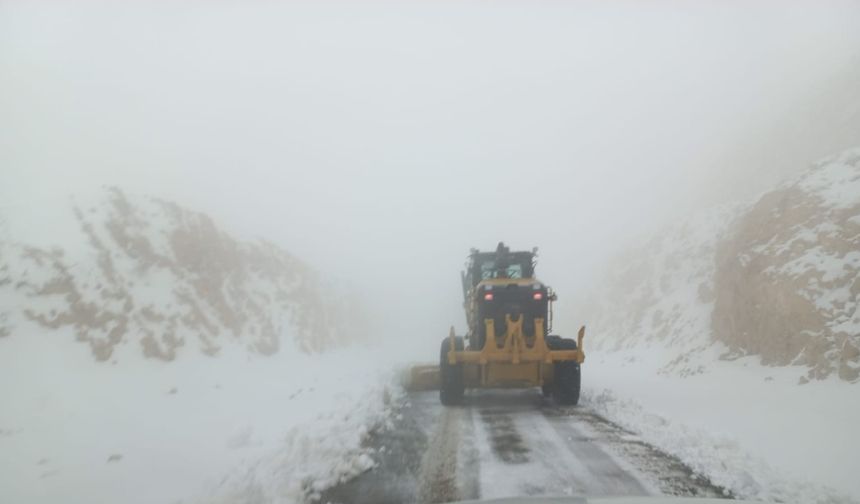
(510, 443)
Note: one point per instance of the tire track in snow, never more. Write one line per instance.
(542, 456)
(510, 443)
(429, 457)
(437, 480)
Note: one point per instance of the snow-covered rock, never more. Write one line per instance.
(133, 274)
(787, 277)
(700, 337)
(778, 279)
(663, 292)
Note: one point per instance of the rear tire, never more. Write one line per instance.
(452, 386)
(553, 342)
(567, 375)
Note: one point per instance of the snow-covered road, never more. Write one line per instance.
(508, 443)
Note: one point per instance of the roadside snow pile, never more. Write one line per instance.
(315, 455)
(779, 279)
(236, 428)
(132, 274)
(761, 437)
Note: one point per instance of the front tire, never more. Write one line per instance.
(567, 376)
(452, 385)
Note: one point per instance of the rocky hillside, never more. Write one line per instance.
(126, 274)
(778, 278)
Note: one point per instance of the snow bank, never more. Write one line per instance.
(228, 428)
(318, 454)
(749, 429)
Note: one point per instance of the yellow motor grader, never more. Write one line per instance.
(508, 345)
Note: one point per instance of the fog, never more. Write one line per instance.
(380, 141)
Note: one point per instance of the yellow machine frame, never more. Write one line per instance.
(514, 364)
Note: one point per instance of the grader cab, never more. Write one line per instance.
(508, 345)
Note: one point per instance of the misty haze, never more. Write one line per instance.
(342, 252)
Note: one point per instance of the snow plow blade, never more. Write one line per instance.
(422, 377)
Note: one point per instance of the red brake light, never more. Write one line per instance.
(537, 296)
(488, 296)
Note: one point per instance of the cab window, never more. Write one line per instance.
(514, 271)
(488, 270)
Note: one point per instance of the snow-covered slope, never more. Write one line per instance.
(787, 278)
(730, 340)
(662, 294)
(148, 356)
(133, 274)
(779, 279)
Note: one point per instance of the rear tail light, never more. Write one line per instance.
(537, 296)
(488, 296)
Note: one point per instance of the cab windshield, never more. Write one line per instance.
(490, 270)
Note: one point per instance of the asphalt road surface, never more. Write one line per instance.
(510, 443)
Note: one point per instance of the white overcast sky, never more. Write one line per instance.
(380, 141)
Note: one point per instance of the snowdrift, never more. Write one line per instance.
(235, 428)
